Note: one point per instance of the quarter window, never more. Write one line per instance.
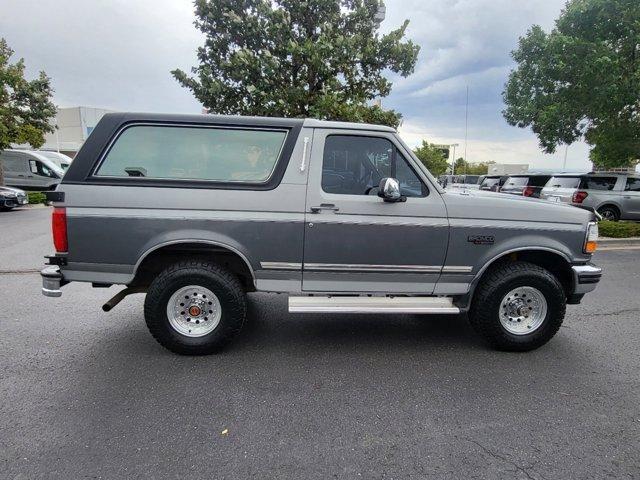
(354, 165)
(633, 184)
(598, 183)
(194, 153)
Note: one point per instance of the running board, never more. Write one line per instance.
(432, 305)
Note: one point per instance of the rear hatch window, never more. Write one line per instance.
(516, 182)
(564, 182)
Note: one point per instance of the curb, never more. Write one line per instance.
(619, 243)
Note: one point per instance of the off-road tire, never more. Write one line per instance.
(495, 284)
(201, 272)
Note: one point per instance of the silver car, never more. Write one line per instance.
(614, 196)
(197, 210)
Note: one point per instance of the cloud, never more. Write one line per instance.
(118, 55)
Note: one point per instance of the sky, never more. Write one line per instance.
(118, 54)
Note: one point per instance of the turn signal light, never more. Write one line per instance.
(59, 229)
(579, 196)
(591, 241)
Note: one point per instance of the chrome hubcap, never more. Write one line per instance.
(523, 310)
(194, 311)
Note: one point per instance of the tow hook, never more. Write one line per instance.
(118, 297)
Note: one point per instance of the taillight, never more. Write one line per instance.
(591, 240)
(579, 196)
(59, 229)
(528, 191)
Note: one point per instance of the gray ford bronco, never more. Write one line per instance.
(196, 211)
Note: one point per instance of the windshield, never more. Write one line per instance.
(563, 182)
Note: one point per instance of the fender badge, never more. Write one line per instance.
(481, 239)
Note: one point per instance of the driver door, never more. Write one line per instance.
(356, 242)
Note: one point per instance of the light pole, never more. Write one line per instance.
(453, 158)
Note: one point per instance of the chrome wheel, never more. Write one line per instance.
(194, 311)
(523, 310)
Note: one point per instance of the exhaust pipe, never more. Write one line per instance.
(118, 297)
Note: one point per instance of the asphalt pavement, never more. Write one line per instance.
(88, 394)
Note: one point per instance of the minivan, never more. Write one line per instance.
(29, 170)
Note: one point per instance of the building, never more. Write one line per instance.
(507, 168)
(74, 124)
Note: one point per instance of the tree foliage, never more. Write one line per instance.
(293, 58)
(582, 80)
(461, 166)
(432, 157)
(25, 106)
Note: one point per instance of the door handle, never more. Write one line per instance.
(324, 206)
(627, 197)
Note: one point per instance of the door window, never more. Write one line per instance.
(354, 165)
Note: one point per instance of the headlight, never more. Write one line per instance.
(591, 240)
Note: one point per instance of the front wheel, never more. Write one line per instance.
(195, 307)
(518, 306)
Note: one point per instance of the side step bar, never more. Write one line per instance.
(432, 305)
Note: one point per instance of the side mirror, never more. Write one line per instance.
(389, 190)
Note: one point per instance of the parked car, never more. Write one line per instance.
(60, 159)
(527, 185)
(29, 170)
(196, 211)
(11, 198)
(493, 183)
(615, 196)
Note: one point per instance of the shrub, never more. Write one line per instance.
(619, 229)
(36, 197)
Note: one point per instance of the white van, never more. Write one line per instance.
(60, 159)
(29, 170)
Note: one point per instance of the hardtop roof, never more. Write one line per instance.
(126, 117)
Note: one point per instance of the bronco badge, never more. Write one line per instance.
(481, 239)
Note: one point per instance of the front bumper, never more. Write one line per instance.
(585, 278)
(52, 281)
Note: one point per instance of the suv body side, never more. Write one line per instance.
(293, 235)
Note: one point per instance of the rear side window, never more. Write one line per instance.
(633, 184)
(598, 183)
(564, 182)
(194, 153)
(490, 182)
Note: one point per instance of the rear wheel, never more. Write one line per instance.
(518, 306)
(195, 307)
(609, 213)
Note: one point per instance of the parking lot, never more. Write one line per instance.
(87, 394)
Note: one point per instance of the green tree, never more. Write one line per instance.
(315, 58)
(433, 158)
(582, 80)
(25, 106)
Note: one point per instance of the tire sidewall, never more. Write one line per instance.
(485, 312)
(228, 304)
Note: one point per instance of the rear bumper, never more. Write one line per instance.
(586, 278)
(52, 281)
